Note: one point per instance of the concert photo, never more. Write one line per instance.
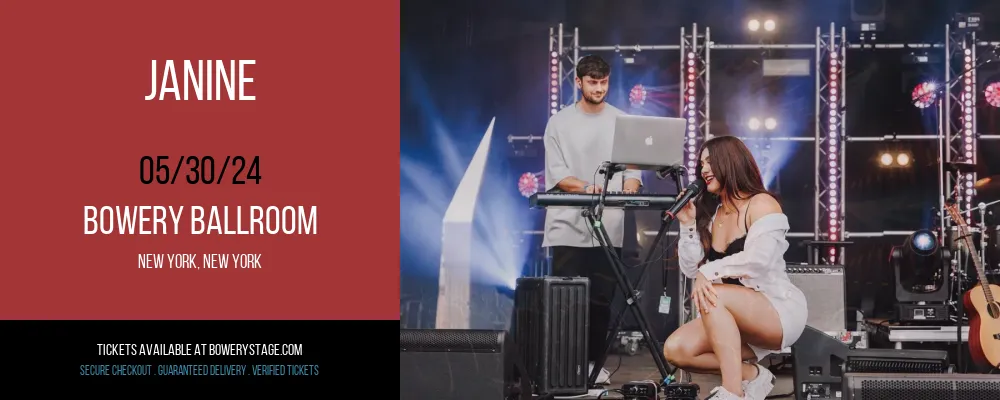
(733, 199)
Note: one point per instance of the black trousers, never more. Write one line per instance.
(591, 263)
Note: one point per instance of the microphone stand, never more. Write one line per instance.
(609, 170)
(633, 300)
(973, 208)
(982, 233)
(959, 304)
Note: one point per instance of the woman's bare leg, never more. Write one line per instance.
(724, 337)
(740, 315)
(688, 348)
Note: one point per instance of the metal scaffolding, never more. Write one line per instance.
(830, 139)
(831, 58)
(960, 105)
(560, 56)
(695, 93)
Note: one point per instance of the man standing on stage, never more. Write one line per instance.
(577, 141)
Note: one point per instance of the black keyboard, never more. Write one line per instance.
(613, 200)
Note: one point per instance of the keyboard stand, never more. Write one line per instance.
(631, 294)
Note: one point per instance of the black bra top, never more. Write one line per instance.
(734, 247)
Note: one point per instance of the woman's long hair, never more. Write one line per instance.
(736, 171)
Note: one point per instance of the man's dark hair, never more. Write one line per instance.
(592, 66)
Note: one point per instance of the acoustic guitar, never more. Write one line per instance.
(980, 304)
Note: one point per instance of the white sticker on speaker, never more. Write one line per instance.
(664, 304)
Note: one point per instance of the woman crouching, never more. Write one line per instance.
(733, 244)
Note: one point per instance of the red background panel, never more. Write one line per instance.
(74, 123)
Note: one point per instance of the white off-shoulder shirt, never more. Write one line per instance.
(760, 266)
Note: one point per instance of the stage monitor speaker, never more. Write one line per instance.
(551, 328)
(821, 361)
(897, 361)
(454, 364)
(824, 287)
(817, 362)
(921, 386)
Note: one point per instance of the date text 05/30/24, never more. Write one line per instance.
(163, 170)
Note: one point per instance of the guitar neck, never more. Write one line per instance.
(963, 231)
(980, 269)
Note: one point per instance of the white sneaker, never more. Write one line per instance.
(761, 386)
(603, 377)
(720, 393)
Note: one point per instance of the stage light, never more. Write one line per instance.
(753, 25)
(968, 116)
(769, 25)
(690, 111)
(554, 84)
(637, 96)
(770, 123)
(921, 268)
(924, 94)
(923, 242)
(755, 123)
(833, 193)
(528, 184)
(890, 159)
(886, 159)
(903, 159)
(992, 93)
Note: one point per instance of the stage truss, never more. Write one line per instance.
(695, 93)
(957, 138)
(831, 51)
(960, 103)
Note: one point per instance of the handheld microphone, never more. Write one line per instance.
(690, 192)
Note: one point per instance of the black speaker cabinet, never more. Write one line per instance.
(921, 386)
(454, 364)
(551, 331)
(818, 361)
(821, 362)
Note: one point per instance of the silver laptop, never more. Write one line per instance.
(644, 142)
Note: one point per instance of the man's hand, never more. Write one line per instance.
(631, 185)
(573, 185)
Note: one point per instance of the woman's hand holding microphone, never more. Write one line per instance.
(686, 215)
(702, 292)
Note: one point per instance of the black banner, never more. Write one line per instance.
(203, 353)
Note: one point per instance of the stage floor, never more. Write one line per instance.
(641, 367)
